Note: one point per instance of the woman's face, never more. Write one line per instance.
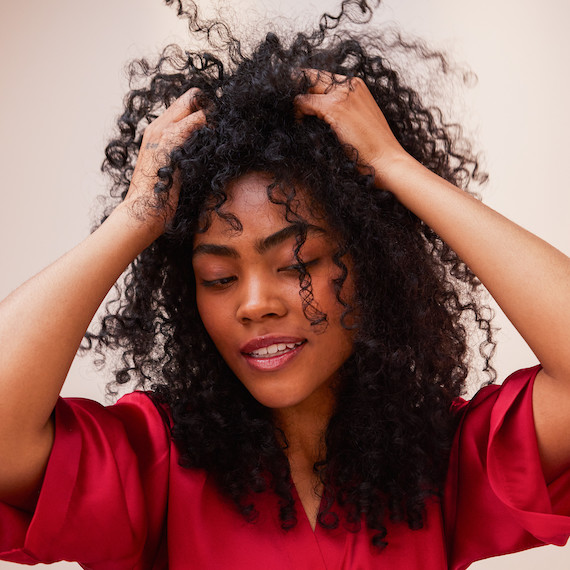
(247, 291)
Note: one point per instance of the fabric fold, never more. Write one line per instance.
(513, 466)
(496, 500)
(93, 489)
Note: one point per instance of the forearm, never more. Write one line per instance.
(43, 321)
(529, 279)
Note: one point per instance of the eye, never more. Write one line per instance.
(221, 283)
(298, 268)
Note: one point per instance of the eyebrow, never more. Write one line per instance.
(262, 245)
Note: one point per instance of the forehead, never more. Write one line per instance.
(247, 200)
(249, 194)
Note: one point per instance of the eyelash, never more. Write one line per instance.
(298, 268)
(226, 281)
(219, 283)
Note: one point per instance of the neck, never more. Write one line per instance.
(304, 427)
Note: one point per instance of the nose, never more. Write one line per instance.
(260, 299)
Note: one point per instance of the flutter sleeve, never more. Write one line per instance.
(103, 498)
(496, 500)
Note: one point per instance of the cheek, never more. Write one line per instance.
(326, 298)
(325, 295)
(215, 316)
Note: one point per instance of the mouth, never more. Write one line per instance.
(274, 350)
(273, 355)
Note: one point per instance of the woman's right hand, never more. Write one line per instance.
(44, 320)
(162, 135)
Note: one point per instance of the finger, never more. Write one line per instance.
(186, 104)
(322, 81)
(311, 104)
(186, 126)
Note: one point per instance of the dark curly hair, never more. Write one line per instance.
(388, 441)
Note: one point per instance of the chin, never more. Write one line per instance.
(278, 400)
(274, 402)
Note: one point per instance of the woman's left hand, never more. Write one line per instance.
(527, 277)
(351, 111)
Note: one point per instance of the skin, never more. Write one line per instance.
(257, 293)
(42, 322)
(527, 277)
(254, 293)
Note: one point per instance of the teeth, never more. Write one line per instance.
(274, 349)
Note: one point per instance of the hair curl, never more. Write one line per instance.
(388, 441)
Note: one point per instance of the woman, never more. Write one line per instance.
(302, 324)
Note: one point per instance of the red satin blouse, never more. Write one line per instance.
(114, 497)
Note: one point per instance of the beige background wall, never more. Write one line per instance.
(61, 85)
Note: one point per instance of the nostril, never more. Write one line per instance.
(250, 317)
(266, 307)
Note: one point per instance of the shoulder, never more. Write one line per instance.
(145, 406)
(137, 421)
(515, 386)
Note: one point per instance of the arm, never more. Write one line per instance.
(529, 279)
(43, 322)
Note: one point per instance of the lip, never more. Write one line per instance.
(267, 340)
(272, 363)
